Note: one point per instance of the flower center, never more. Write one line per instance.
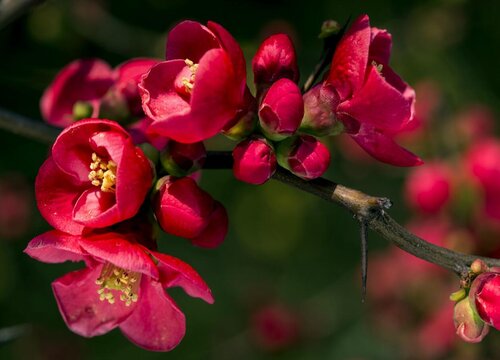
(189, 82)
(102, 173)
(114, 278)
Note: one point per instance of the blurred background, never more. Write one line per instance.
(287, 279)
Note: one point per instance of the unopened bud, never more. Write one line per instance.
(319, 118)
(478, 266)
(281, 110)
(304, 155)
(254, 161)
(82, 110)
(468, 324)
(275, 59)
(329, 28)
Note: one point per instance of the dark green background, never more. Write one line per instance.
(283, 245)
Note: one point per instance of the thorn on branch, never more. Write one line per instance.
(364, 258)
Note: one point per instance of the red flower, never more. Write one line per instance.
(84, 81)
(90, 88)
(122, 286)
(201, 87)
(185, 210)
(95, 177)
(254, 161)
(367, 96)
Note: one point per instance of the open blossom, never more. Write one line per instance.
(91, 88)
(372, 101)
(201, 87)
(123, 285)
(95, 177)
(185, 210)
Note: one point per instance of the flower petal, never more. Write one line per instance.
(379, 104)
(79, 304)
(175, 272)
(119, 250)
(235, 54)
(190, 40)
(157, 323)
(380, 47)
(160, 99)
(384, 148)
(56, 195)
(96, 208)
(71, 150)
(349, 63)
(55, 247)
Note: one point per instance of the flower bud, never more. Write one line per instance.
(485, 297)
(254, 161)
(329, 28)
(182, 159)
(428, 188)
(185, 210)
(468, 324)
(281, 110)
(319, 118)
(275, 59)
(304, 155)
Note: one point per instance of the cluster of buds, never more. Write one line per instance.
(477, 302)
(129, 155)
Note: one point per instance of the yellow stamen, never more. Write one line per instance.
(189, 82)
(115, 278)
(378, 67)
(103, 173)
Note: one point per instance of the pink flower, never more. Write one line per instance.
(90, 88)
(80, 81)
(122, 286)
(95, 177)
(254, 161)
(485, 297)
(201, 87)
(281, 110)
(183, 209)
(275, 59)
(371, 100)
(428, 188)
(304, 155)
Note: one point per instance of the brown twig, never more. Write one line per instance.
(369, 210)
